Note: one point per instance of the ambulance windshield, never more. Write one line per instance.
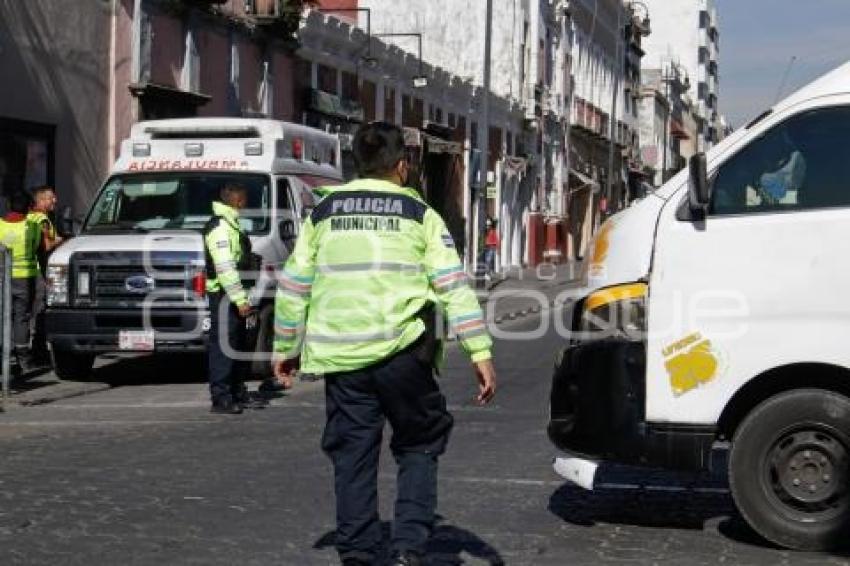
(175, 201)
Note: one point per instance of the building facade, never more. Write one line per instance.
(522, 184)
(686, 32)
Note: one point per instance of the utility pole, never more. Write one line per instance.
(618, 62)
(484, 125)
(666, 77)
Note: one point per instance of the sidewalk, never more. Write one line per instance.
(524, 292)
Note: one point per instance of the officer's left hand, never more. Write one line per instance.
(285, 370)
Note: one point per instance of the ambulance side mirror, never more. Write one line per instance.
(287, 230)
(66, 226)
(700, 189)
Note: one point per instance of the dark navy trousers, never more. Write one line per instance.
(403, 391)
(227, 332)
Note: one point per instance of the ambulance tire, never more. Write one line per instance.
(789, 469)
(261, 365)
(68, 365)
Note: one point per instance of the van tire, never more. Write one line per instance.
(261, 364)
(72, 365)
(788, 469)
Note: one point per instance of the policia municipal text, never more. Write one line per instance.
(355, 302)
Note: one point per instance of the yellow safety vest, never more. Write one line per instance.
(23, 239)
(40, 218)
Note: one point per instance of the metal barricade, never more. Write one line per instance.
(6, 325)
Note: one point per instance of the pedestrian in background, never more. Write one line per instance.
(492, 243)
(43, 207)
(357, 294)
(23, 239)
(228, 255)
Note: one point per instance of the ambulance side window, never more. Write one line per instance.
(284, 199)
(800, 164)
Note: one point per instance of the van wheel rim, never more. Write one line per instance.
(807, 474)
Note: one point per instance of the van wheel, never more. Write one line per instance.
(788, 469)
(261, 365)
(72, 365)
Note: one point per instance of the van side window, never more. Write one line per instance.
(284, 201)
(802, 163)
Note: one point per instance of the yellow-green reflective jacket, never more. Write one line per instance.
(224, 243)
(39, 218)
(367, 260)
(23, 238)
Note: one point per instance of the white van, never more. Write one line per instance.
(716, 310)
(134, 277)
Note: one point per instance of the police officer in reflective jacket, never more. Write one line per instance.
(355, 302)
(23, 239)
(228, 256)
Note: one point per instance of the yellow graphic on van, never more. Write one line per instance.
(690, 362)
(600, 249)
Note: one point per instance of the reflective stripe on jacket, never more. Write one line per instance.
(223, 244)
(23, 238)
(369, 258)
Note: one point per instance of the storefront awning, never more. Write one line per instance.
(436, 145)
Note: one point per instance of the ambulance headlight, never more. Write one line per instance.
(615, 312)
(57, 285)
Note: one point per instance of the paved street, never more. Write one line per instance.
(143, 474)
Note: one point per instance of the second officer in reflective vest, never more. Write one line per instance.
(371, 263)
(228, 258)
(23, 239)
(43, 206)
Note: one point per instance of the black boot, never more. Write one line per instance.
(226, 406)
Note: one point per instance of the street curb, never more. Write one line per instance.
(55, 392)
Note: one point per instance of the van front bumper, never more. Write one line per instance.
(597, 410)
(97, 330)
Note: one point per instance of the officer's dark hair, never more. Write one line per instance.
(20, 202)
(378, 147)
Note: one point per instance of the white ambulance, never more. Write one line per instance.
(133, 279)
(716, 310)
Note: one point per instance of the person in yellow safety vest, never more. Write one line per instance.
(228, 256)
(23, 239)
(43, 207)
(355, 302)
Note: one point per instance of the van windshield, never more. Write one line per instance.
(175, 201)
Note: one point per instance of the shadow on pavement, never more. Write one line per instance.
(119, 370)
(447, 546)
(654, 498)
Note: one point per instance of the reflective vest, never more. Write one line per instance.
(368, 261)
(22, 238)
(228, 252)
(40, 218)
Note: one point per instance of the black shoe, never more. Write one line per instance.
(270, 385)
(226, 407)
(249, 401)
(355, 562)
(407, 558)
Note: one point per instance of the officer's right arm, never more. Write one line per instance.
(449, 282)
(295, 283)
(218, 244)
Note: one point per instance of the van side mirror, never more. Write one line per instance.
(66, 225)
(286, 230)
(700, 191)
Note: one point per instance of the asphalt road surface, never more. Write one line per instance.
(144, 474)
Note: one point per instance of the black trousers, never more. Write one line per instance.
(402, 390)
(39, 334)
(227, 332)
(23, 291)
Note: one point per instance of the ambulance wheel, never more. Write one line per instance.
(261, 365)
(788, 469)
(72, 365)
